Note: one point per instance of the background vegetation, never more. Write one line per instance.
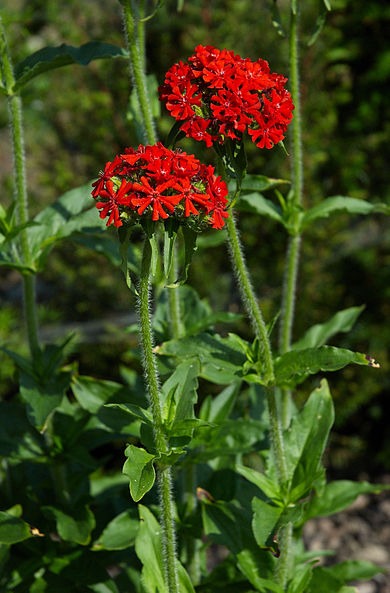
(75, 120)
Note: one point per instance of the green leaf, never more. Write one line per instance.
(338, 495)
(255, 562)
(302, 577)
(140, 470)
(135, 411)
(179, 392)
(120, 533)
(73, 212)
(93, 393)
(306, 439)
(257, 204)
(75, 528)
(265, 520)
(18, 439)
(13, 529)
(148, 548)
(221, 358)
(50, 58)
(269, 487)
(339, 203)
(318, 335)
(259, 183)
(295, 366)
(217, 409)
(352, 570)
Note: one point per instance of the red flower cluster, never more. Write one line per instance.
(155, 182)
(219, 95)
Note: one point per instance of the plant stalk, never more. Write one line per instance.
(293, 249)
(134, 34)
(164, 480)
(20, 195)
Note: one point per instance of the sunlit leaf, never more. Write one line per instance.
(336, 204)
(120, 533)
(140, 470)
(295, 366)
(318, 335)
(50, 58)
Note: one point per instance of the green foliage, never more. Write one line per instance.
(72, 444)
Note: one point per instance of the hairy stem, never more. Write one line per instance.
(249, 298)
(134, 34)
(167, 509)
(20, 197)
(293, 250)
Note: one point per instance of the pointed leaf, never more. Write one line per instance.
(257, 204)
(148, 548)
(306, 439)
(75, 528)
(179, 392)
(265, 521)
(318, 335)
(120, 533)
(339, 203)
(140, 470)
(295, 366)
(338, 495)
(93, 393)
(260, 183)
(270, 488)
(49, 58)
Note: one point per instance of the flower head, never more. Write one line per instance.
(155, 183)
(219, 95)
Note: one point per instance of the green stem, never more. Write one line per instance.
(21, 198)
(249, 298)
(167, 509)
(293, 250)
(135, 43)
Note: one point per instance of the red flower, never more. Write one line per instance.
(218, 94)
(153, 182)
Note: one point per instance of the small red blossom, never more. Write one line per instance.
(219, 95)
(153, 182)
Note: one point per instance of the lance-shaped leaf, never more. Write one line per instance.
(305, 441)
(338, 495)
(294, 367)
(50, 58)
(179, 392)
(319, 334)
(148, 547)
(76, 527)
(339, 203)
(120, 533)
(256, 203)
(139, 468)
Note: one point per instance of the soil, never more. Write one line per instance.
(362, 532)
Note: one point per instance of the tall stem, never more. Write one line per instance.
(135, 43)
(167, 508)
(21, 198)
(249, 298)
(293, 250)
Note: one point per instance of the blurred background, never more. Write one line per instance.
(76, 118)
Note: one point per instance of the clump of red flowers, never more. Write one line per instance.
(153, 182)
(218, 95)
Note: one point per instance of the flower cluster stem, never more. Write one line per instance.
(167, 508)
(294, 245)
(249, 298)
(21, 197)
(134, 34)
